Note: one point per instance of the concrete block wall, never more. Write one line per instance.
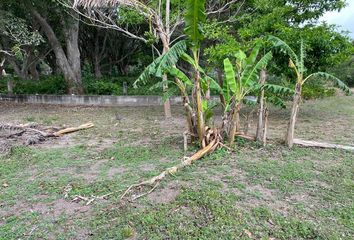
(94, 100)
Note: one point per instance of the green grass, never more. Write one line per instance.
(252, 193)
(204, 207)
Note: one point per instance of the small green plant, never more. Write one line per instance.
(127, 232)
(30, 119)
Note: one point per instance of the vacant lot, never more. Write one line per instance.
(251, 193)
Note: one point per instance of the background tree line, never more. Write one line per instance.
(48, 46)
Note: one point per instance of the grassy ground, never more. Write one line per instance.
(253, 193)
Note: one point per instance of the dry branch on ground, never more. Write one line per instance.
(212, 140)
(306, 143)
(31, 133)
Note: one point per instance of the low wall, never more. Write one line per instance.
(102, 100)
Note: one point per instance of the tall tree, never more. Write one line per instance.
(163, 21)
(17, 43)
(18, 39)
(68, 59)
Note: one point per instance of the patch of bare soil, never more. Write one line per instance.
(147, 167)
(52, 210)
(93, 172)
(165, 195)
(267, 198)
(114, 171)
(184, 210)
(61, 206)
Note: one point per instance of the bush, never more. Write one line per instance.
(101, 87)
(345, 71)
(56, 85)
(114, 86)
(45, 85)
(314, 91)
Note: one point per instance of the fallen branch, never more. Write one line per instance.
(214, 138)
(30, 134)
(144, 194)
(243, 135)
(307, 143)
(33, 127)
(73, 129)
(90, 200)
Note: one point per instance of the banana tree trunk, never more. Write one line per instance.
(260, 124)
(164, 32)
(235, 123)
(190, 117)
(190, 114)
(265, 126)
(167, 104)
(294, 111)
(200, 116)
(221, 83)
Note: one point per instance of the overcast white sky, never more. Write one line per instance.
(344, 18)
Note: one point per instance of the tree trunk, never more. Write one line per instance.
(190, 117)
(167, 104)
(97, 60)
(265, 126)
(28, 69)
(261, 110)
(33, 71)
(73, 51)
(221, 83)
(235, 119)
(97, 68)
(294, 111)
(164, 35)
(200, 117)
(10, 85)
(15, 66)
(70, 65)
(2, 68)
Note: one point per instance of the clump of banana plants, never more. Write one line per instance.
(242, 86)
(198, 83)
(241, 79)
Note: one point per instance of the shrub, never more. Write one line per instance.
(45, 85)
(55, 84)
(101, 87)
(310, 91)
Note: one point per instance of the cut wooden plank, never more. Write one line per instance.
(73, 129)
(307, 143)
(241, 135)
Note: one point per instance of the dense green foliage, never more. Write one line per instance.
(345, 71)
(45, 85)
(298, 66)
(56, 85)
(107, 53)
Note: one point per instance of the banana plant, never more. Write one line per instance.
(241, 78)
(296, 63)
(194, 19)
(166, 64)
